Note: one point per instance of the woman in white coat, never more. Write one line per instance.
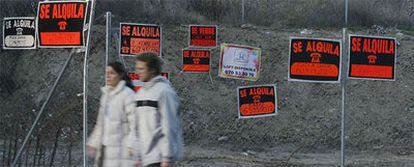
(109, 142)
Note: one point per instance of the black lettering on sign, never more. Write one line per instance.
(257, 101)
(203, 35)
(372, 57)
(314, 60)
(19, 33)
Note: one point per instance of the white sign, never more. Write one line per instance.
(19, 33)
(239, 62)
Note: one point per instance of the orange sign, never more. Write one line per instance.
(257, 101)
(196, 60)
(372, 57)
(137, 83)
(166, 75)
(60, 23)
(314, 60)
(203, 35)
(139, 38)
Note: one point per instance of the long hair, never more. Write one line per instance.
(120, 69)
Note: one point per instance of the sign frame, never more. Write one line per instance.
(311, 81)
(35, 35)
(197, 72)
(276, 112)
(83, 28)
(195, 25)
(372, 79)
(138, 24)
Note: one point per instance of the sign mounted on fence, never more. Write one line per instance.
(137, 83)
(239, 62)
(314, 60)
(135, 80)
(196, 60)
(166, 75)
(60, 23)
(372, 57)
(203, 35)
(257, 101)
(19, 33)
(139, 38)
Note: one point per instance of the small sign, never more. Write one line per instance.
(196, 60)
(137, 83)
(203, 35)
(19, 33)
(257, 101)
(166, 75)
(372, 57)
(139, 38)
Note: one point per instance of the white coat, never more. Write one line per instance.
(112, 127)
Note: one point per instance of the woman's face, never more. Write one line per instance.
(112, 77)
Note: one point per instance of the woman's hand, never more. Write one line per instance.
(91, 151)
(130, 151)
(137, 164)
(167, 164)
